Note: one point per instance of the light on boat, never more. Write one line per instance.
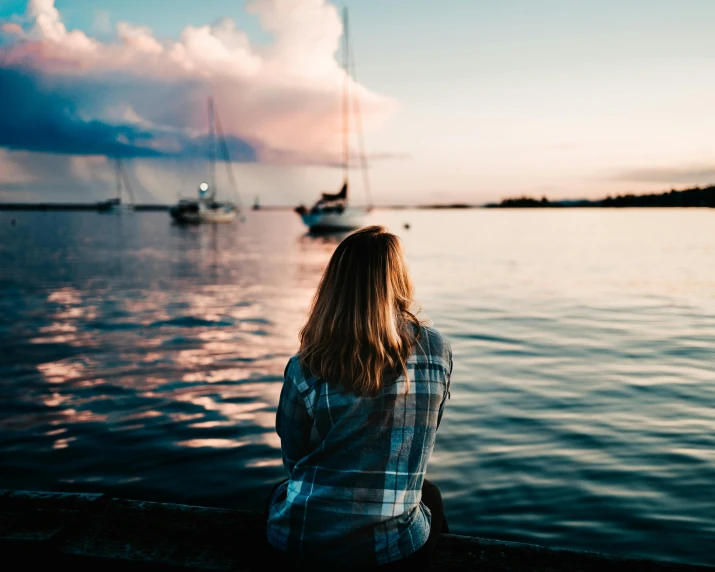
(203, 187)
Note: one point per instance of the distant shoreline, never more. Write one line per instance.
(687, 198)
(695, 197)
(93, 207)
(69, 207)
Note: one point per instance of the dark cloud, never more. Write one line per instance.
(238, 149)
(39, 115)
(33, 117)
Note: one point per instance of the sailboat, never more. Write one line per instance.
(332, 212)
(206, 208)
(114, 204)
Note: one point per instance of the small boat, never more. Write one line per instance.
(115, 205)
(109, 205)
(332, 212)
(205, 208)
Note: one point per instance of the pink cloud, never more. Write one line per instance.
(282, 98)
(12, 28)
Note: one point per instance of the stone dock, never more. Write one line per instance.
(98, 532)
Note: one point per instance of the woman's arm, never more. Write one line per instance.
(293, 423)
(446, 390)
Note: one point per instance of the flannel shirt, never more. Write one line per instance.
(356, 464)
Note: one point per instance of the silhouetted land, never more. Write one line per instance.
(93, 207)
(453, 206)
(695, 197)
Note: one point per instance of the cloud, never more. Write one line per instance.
(66, 92)
(36, 118)
(11, 29)
(24, 176)
(47, 19)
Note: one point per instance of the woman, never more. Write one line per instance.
(357, 418)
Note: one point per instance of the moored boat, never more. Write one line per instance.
(108, 205)
(205, 208)
(332, 211)
(115, 204)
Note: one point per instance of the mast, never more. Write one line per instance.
(122, 173)
(346, 97)
(361, 138)
(226, 158)
(117, 166)
(212, 151)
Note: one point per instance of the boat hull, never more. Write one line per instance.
(195, 212)
(351, 218)
(109, 205)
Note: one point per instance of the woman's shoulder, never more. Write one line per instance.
(298, 373)
(294, 370)
(433, 342)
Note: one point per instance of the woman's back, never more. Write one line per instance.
(357, 463)
(357, 417)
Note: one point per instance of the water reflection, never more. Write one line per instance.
(314, 252)
(334, 237)
(146, 359)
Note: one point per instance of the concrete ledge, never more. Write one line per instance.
(99, 532)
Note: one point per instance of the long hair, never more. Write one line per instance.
(360, 328)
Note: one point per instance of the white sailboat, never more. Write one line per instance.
(332, 211)
(206, 208)
(115, 205)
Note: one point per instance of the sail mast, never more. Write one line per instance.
(127, 185)
(119, 177)
(227, 159)
(346, 97)
(361, 137)
(212, 151)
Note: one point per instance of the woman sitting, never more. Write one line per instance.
(357, 418)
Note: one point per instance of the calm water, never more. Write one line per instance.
(146, 360)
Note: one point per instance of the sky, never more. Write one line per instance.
(460, 101)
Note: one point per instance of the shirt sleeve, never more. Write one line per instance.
(446, 390)
(293, 423)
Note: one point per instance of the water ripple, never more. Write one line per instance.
(146, 360)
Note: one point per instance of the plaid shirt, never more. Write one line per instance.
(356, 464)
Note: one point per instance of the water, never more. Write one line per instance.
(145, 360)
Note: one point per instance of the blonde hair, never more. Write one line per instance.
(360, 329)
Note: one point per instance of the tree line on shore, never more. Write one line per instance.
(695, 197)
